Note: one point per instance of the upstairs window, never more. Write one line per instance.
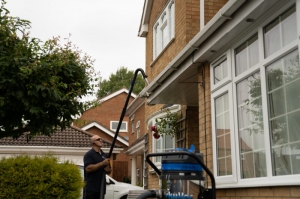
(163, 29)
(114, 126)
(138, 131)
(132, 125)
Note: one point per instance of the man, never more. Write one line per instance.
(96, 164)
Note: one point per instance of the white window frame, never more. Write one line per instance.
(132, 124)
(159, 25)
(230, 84)
(215, 95)
(121, 130)
(138, 130)
(226, 56)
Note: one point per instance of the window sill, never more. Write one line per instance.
(262, 182)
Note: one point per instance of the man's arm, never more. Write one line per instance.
(94, 167)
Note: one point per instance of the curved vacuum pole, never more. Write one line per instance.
(120, 122)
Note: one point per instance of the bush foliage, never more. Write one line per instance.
(32, 177)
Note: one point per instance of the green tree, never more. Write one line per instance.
(121, 79)
(41, 83)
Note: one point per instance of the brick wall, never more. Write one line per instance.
(211, 7)
(109, 110)
(192, 127)
(260, 193)
(205, 128)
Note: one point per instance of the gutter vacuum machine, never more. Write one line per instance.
(177, 166)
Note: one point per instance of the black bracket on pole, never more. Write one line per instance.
(120, 123)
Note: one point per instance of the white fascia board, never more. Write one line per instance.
(134, 105)
(38, 150)
(95, 124)
(115, 94)
(136, 148)
(143, 29)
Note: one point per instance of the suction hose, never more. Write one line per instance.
(149, 194)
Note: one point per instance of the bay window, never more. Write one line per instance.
(164, 142)
(256, 111)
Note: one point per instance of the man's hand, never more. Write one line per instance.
(107, 169)
(105, 162)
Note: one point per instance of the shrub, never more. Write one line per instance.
(32, 177)
(127, 179)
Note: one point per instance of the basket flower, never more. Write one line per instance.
(166, 125)
(155, 130)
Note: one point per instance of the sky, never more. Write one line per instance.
(107, 30)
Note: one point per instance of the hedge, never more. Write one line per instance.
(36, 177)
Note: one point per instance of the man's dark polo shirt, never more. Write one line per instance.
(93, 179)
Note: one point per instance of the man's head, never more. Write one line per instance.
(96, 140)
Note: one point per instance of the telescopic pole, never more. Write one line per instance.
(103, 182)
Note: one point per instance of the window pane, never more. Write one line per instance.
(289, 26)
(168, 142)
(246, 55)
(132, 126)
(172, 20)
(292, 96)
(158, 148)
(156, 48)
(114, 125)
(272, 38)
(165, 37)
(291, 67)
(275, 75)
(280, 32)
(253, 165)
(277, 103)
(251, 130)
(123, 126)
(253, 51)
(220, 71)
(223, 136)
(241, 59)
(284, 109)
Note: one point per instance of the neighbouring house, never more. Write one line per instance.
(103, 120)
(138, 141)
(231, 69)
(70, 144)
